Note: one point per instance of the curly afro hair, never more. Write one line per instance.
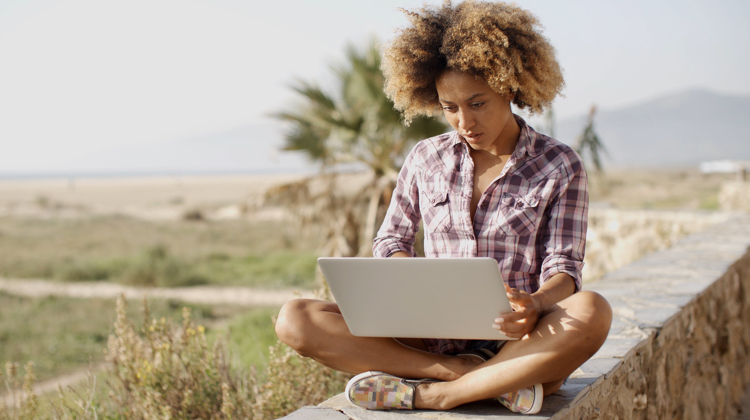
(498, 43)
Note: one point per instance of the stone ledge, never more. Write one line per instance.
(677, 347)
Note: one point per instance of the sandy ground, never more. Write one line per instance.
(151, 198)
(231, 196)
(158, 197)
(241, 296)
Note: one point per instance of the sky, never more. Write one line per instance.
(81, 76)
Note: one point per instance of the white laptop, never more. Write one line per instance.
(418, 297)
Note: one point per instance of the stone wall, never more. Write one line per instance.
(617, 237)
(735, 196)
(697, 364)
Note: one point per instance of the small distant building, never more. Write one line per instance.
(724, 166)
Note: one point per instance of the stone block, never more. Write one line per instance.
(600, 366)
(616, 348)
(316, 413)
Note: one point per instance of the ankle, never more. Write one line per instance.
(469, 362)
(430, 396)
(456, 367)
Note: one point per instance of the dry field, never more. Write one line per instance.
(666, 189)
(216, 230)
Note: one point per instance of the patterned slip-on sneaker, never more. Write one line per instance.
(381, 391)
(525, 401)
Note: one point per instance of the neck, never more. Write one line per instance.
(506, 142)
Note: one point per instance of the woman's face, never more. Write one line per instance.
(479, 114)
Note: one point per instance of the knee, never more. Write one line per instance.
(595, 313)
(599, 312)
(291, 324)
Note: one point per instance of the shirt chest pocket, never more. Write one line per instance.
(436, 214)
(519, 212)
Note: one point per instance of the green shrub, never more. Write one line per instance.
(157, 267)
(91, 270)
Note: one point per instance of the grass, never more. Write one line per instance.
(249, 335)
(61, 334)
(658, 189)
(175, 253)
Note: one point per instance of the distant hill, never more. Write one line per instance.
(674, 130)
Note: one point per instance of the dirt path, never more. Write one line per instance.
(47, 390)
(212, 295)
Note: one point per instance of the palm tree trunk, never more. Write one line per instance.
(365, 249)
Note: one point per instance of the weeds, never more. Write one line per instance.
(24, 402)
(169, 370)
(172, 372)
(292, 382)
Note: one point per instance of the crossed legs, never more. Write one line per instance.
(565, 337)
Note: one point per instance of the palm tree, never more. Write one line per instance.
(589, 141)
(356, 124)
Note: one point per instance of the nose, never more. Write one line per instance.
(465, 120)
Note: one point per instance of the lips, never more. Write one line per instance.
(472, 136)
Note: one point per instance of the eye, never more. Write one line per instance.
(477, 104)
(449, 108)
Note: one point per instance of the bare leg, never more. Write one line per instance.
(317, 329)
(564, 338)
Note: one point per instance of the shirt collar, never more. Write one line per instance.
(529, 142)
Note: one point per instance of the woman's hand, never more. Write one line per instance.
(527, 311)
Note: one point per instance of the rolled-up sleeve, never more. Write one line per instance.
(401, 223)
(564, 237)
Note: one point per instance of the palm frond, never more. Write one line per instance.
(590, 142)
(356, 122)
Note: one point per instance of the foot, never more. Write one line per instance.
(381, 391)
(524, 401)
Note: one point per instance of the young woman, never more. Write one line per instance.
(493, 187)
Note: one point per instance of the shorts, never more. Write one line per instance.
(453, 347)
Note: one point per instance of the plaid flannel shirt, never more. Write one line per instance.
(531, 219)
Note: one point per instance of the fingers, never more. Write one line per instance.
(513, 317)
(516, 295)
(514, 330)
(524, 318)
(516, 324)
(509, 289)
(510, 320)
